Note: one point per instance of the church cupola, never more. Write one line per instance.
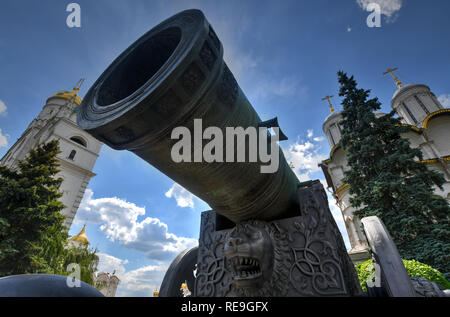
(67, 95)
(413, 102)
(81, 238)
(331, 127)
(71, 96)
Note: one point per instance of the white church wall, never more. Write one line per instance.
(417, 140)
(107, 283)
(85, 157)
(438, 167)
(48, 111)
(331, 129)
(431, 103)
(357, 239)
(334, 130)
(416, 109)
(438, 131)
(70, 189)
(337, 167)
(73, 117)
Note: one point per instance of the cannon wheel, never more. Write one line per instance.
(181, 270)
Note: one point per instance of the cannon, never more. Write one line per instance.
(267, 234)
(172, 75)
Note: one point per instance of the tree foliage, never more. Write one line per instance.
(33, 238)
(386, 180)
(366, 273)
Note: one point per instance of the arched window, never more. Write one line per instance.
(72, 155)
(78, 140)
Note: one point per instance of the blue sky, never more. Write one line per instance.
(284, 54)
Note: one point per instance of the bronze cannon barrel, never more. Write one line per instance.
(174, 74)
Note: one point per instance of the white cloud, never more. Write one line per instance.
(183, 197)
(3, 139)
(445, 100)
(240, 63)
(389, 8)
(259, 83)
(266, 88)
(3, 108)
(140, 282)
(349, 29)
(118, 220)
(108, 263)
(319, 139)
(305, 157)
(310, 134)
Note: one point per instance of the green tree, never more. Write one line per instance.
(366, 273)
(85, 257)
(33, 238)
(29, 211)
(59, 253)
(386, 180)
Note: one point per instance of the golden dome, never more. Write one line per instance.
(68, 95)
(81, 237)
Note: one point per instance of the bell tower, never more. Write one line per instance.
(79, 150)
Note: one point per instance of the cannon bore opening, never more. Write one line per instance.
(139, 66)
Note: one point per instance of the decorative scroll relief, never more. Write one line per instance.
(213, 278)
(316, 269)
(207, 56)
(168, 104)
(296, 256)
(192, 79)
(228, 88)
(214, 38)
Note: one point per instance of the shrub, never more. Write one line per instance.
(366, 272)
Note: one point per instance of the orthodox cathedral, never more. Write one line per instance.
(429, 124)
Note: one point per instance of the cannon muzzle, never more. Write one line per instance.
(171, 76)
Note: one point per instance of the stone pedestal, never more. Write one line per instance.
(303, 255)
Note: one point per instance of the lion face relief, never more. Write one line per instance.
(250, 254)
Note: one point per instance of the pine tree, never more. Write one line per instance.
(387, 181)
(33, 238)
(29, 211)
